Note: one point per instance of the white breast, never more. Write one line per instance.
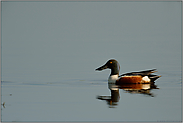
(112, 78)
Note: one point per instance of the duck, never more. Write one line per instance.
(140, 77)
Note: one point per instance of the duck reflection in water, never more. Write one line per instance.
(113, 100)
(134, 82)
(144, 89)
(115, 96)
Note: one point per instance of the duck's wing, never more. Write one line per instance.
(142, 73)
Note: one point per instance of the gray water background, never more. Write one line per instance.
(50, 51)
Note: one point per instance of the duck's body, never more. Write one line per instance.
(128, 78)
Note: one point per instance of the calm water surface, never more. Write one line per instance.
(77, 100)
(49, 60)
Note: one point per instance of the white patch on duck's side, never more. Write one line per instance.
(146, 79)
(112, 78)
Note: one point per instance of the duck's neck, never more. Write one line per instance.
(114, 72)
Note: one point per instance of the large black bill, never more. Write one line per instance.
(102, 68)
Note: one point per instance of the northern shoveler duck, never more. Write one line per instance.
(128, 78)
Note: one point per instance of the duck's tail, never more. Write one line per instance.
(153, 77)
